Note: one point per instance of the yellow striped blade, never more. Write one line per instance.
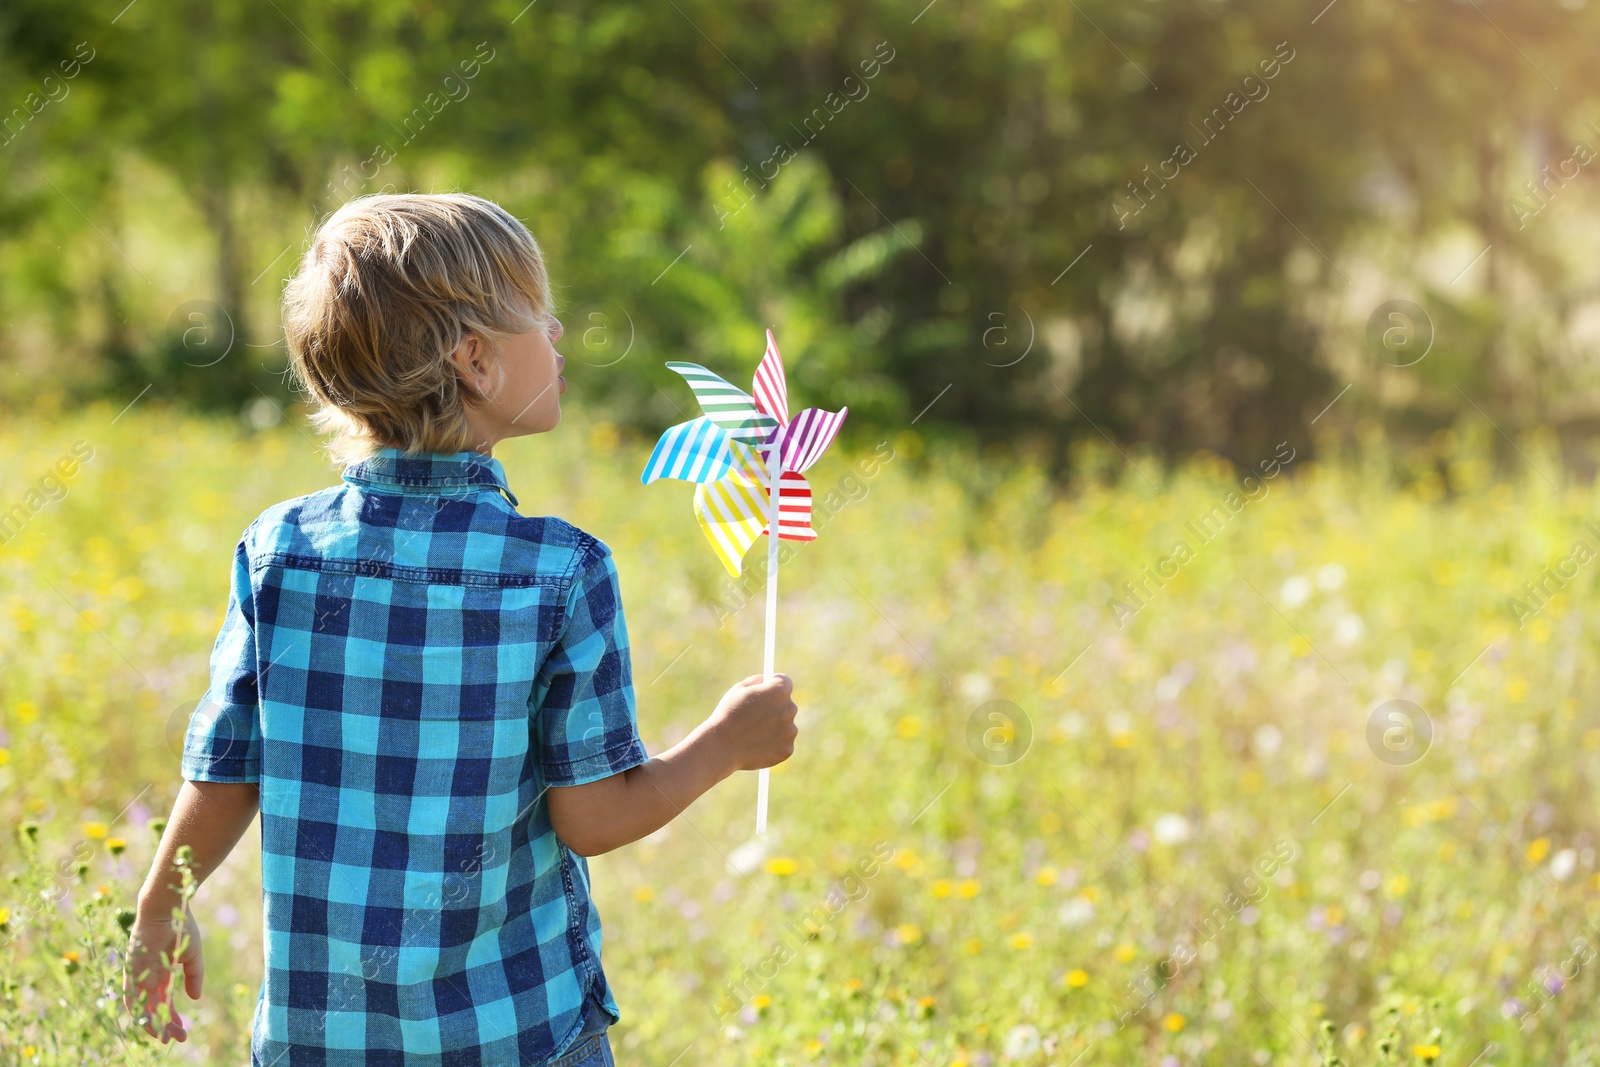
(732, 514)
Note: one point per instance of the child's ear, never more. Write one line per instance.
(472, 366)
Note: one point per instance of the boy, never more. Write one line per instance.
(428, 695)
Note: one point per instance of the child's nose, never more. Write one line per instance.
(558, 330)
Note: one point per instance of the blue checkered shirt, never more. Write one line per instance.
(405, 665)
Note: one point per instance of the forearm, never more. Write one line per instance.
(642, 799)
(208, 817)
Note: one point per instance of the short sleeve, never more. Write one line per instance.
(583, 700)
(223, 743)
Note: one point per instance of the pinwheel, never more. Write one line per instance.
(735, 452)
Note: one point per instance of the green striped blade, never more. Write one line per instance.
(726, 404)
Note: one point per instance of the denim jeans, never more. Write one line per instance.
(592, 1048)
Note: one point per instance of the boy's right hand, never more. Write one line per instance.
(754, 721)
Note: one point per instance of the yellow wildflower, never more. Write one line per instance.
(643, 893)
(908, 933)
(1076, 979)
(1046, 875)
(969, 887)
(1021, 940)
(1426, 1053)
(942, 888)
(95, 831)
(1538, 849)
(782, 866)
(603, 437)
(1173, 1022)
(1125, 952)
(908, 727)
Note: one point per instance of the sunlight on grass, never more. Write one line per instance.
(1013, 829)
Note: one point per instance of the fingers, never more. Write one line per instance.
(142, 992)
(789, 735)
(194, 973)
(174, 1029)
(780, 682)
(144, 1005)
(146, 987)
(193, 961)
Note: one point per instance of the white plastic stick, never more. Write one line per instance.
(769, 652)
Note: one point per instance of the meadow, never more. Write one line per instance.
(1063, 793)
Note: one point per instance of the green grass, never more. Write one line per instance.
(931, 892)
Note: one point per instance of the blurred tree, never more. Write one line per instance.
(1028, 221)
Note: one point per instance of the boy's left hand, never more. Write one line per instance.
(147, 977)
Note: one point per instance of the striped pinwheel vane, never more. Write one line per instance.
(727, 451)
(734, 452)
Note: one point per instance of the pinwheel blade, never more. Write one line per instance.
(728, 453)
(751, 462)
(771, 386)
(694, 451)
(726, 404)
(802, 441)
(794, 508)
(732, 514)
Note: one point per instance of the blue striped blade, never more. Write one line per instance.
(693, 451)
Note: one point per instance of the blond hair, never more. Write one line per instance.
(389, 288)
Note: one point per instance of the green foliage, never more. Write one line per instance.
(62, 937)
(1244, 185)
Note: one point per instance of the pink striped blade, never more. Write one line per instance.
(771, 386)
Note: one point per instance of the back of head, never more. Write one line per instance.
(389, 288)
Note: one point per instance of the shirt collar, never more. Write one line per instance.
(450, 473)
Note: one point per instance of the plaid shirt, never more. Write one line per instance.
(405, 665)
